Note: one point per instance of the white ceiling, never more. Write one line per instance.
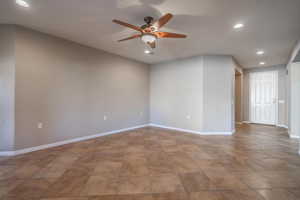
(271, 25)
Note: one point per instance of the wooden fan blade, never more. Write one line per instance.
(169, 35)
(152, 44)
(128, 25)
(129, 38)
(163, 20)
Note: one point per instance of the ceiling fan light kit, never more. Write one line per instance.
(149, 32)
(146, 38)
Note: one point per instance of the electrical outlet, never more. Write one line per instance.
(40, 125)
(188, 116)
(104, 117)
(141, 113)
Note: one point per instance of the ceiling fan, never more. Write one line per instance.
(149, 32)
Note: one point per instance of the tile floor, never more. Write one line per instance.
(256, 163)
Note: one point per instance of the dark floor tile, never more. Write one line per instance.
(98, 185)
(8, 185)
(197, 181)
(242, 195)
(173, 196)
(223, 180)
(295, 191)
(254, 180)
(30, 189)
(159, 164)
(277, 194)
(166, 183)
(67, 198)
(206, 195)
(67, 186)
(134, 197)
(134, 185)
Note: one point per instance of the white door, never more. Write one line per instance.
(263, 97)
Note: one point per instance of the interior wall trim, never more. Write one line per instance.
(247, 122)
(282, 126)
(46, 146)
(192, 131)
(294, 136)
(7, 153)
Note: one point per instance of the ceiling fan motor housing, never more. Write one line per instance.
(148, 20)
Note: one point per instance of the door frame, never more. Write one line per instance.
(276, 97)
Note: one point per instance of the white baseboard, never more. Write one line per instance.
(247, 122)
(46, 146)
(282, 126)
(295, 136)
(7, 153)
(191, 131)
(239, 123)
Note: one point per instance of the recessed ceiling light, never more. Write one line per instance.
(238, 26)
(147, 51)
(260, 52)
(22, 3)
(262, 63)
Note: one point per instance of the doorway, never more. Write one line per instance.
(263, 97)
(238, 97)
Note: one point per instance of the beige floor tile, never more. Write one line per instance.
(8, 185)
(166, 183)
(135, 185)
(97, 185)
(254, 180)
(67, 186)
(277, 194)
(67, 198)
(197, 181)
(257, 162)
(242, 195)
(173, 196)
(223, 180)
(206, 195)
(30, 189)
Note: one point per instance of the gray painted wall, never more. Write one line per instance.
(218, 94)
(70, 88)
(177, 94)
(282, 92)
(294, 81)
(194, 93)
(7, 91)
